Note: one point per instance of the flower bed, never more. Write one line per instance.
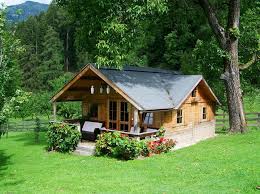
(114, 144)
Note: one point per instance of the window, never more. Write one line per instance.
(93, 111)
(124, 113)
(124, 116)
(113, 115)
(204, 113)
(179, 116)
(148, 118)
(194, 92)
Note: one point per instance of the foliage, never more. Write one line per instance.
(161, 132)
(48, 41)
(62, 138)
(51, 66)
(120, 146)
(162, 145)
(70, 109)
(114, 29)
(13, 106)
(10, 48)
(119, 33)
(117, 145)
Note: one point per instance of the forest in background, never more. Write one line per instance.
(172, 35)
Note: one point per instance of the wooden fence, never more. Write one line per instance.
(252, 119)
(26, 125)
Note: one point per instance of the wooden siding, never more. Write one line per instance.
(191, 110)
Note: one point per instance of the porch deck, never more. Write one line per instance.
(75, 122)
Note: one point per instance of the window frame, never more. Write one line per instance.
(111, 109)
(194, 92)
(126, 112)
(150, 116)
(204, 113)
(179, 116)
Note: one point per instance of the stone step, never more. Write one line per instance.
(84, 153)
(85, 150)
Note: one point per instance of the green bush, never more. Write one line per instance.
(160, 132)
(62, 138)
(118, 146)
(122, 147)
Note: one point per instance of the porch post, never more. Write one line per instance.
(54, 108)
(136, 120)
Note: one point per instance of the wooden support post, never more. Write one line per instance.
(136, 120)
(54, 107)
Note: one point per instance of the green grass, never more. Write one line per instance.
(225, 164)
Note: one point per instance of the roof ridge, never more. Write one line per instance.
(143, 69)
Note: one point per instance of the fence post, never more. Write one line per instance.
(224, 121)
(7, 129)
(258, 119)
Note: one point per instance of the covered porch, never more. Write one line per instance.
(104, 107)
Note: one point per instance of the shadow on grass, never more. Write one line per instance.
(4, 162)
(9, 178)
(28, 138)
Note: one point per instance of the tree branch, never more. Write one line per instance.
(217, 29)
(249, 63)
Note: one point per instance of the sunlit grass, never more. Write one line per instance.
(225, 164)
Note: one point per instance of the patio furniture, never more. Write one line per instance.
(90, 130)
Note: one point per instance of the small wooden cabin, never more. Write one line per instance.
(142, 98)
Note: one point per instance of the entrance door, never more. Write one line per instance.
(119, 115)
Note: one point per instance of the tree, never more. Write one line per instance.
(31, 33)
(109, 30)
(10, 73)
(228, 41)
(52, 58)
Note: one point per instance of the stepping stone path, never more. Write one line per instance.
(85, 149)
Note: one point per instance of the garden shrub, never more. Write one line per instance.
(162, 145)
(120, 146)
(62, 137)
(117, 145)
(160, 132)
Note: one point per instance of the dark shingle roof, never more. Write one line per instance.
(153, 89)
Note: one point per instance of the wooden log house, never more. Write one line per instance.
(143, 98)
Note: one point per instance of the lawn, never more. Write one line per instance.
(225, 164)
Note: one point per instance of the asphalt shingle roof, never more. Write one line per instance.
(153, 89)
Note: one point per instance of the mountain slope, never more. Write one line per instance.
(29, 8)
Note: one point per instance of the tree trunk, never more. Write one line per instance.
(234, 95)
(67, 51)
(228, 41)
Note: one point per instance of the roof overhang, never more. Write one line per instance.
(90, 67)
(58, 96)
